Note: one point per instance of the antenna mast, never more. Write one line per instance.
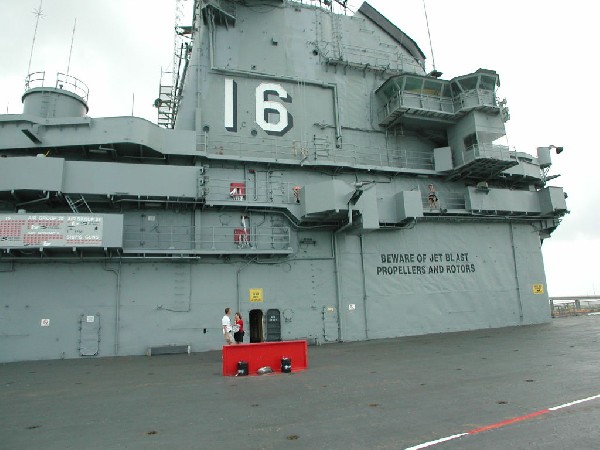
(38, 14)
(434, 72)
(71, 50)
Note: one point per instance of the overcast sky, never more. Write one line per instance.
(544, 52)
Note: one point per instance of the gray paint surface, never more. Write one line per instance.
(307, 197)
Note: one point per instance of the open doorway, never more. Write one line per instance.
(255, 318)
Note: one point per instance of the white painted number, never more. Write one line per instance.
(266, 108)
(230, 105)
(271, 115)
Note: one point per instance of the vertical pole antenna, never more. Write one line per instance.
(71, 50)
(429, 34)
(38, 14)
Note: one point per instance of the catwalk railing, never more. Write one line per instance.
(318, 150)
(445, 108)
(205, 239)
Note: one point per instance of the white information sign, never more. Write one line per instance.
(46, 230)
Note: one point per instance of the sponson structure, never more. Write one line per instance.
(306, 170)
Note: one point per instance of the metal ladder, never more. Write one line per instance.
(79, 203)
(280, 234)
(321, 147)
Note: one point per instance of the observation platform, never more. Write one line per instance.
(431, 99)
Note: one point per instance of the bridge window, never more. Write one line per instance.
(487, 83)
(469, 83)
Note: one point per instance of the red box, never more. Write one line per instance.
(263, 354)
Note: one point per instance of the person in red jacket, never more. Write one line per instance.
(238, 329)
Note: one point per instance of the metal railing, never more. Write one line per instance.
(375, 59)
(450, 107)
(72, 84)
(475, 98)
(423, 102)
(227, 6)
(325, 152)
(210, 239)
(253, 190)
(574, 306)
(63, 81)
(445, 200)
(490, 151)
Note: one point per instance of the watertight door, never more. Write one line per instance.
(89, 338)
(273, 325)
(330, 324)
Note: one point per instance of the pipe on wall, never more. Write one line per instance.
(117, 303)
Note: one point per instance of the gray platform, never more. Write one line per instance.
(384, 394)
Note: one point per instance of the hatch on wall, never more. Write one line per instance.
(89, 338)
(273, 325)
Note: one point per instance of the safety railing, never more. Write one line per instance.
(372, 58)
(63, 81)
(489, 151)
(72, 84)
(227, 6)
(324, 152)
(404, 100)
(34, 79)
(445, 107)
(445, 200)
(475, 99)
(210, 239)
(574, 307)
(253, 189)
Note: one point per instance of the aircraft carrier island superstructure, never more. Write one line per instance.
(306, 170)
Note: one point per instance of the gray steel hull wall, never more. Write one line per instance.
(464, 276)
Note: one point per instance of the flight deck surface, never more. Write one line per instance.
(505, 384)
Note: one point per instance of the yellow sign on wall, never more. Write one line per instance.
(538, 288)
(256, 295)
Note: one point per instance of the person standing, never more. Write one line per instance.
(238, 329)
(432, 198)
(226, 322)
